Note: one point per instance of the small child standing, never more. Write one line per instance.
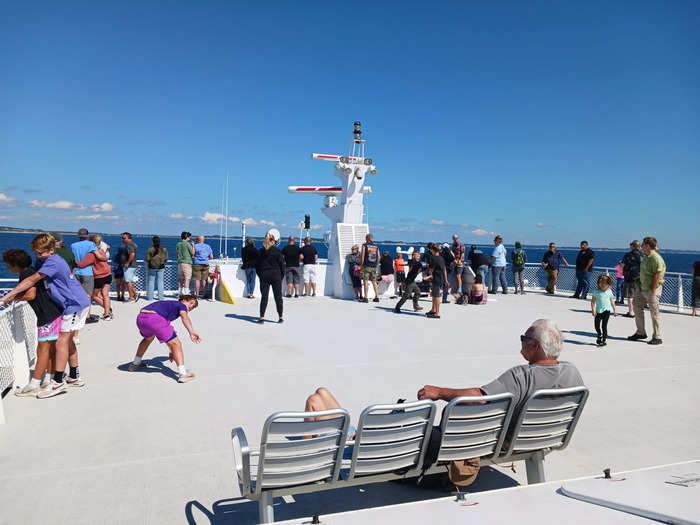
(602, 303)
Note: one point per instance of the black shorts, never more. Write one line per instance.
(400, 277)
(102, 281)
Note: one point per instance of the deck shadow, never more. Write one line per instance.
(243, 511)
(249, 318)
(156, 365)
(590, 334)
(403, 312)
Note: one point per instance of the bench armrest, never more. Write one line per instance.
(241, 459)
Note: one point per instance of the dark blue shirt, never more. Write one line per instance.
(553, 260)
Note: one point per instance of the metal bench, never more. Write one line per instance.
(545, 423)
(392, 440)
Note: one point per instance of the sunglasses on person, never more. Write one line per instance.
(526, 338)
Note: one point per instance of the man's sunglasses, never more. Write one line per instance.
(525, 338)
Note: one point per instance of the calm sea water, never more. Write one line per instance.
(675, 261)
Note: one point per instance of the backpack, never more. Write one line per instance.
(158, 259)
(518, 258)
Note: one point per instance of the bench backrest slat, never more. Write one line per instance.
(287, 459)
(391, 438)
(547, 419)
(473, 427)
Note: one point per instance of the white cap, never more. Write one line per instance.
(445, 245)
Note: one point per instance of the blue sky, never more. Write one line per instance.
(537, 120)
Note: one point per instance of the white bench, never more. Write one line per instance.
(392, 440)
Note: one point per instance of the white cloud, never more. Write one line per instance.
(464, 225)
(436, 222)
(267, 223)
(105, 206)
(89, 217)
(176, 216)
(316, 227)
(212, 218)
(111, 217)
(4, 199)
(540, 224)
(234, 219)
(189, 217)
(57, 205)
(3, 217)
(249, 221)
(479, 231)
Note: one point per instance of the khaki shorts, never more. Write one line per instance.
(184, 271)
(200, 272)
(368, 273)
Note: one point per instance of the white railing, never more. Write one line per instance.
(676, 291)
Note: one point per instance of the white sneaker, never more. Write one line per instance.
(77, 382)
(53, 390)
(27, 391)
(186, 377)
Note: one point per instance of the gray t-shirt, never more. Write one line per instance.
(524, 380)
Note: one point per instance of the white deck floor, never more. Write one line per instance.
(140, 448)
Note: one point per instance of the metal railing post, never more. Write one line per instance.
(680, 293)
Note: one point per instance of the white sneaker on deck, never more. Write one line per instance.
(77, 382)
(53, 390)
(27, 391)
(186, 377)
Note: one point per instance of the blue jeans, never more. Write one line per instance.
(498, 274)
(518, 280)
(155, 278)
(582, 286)
(446, 288)
(250, 280)
(619, 285)
(483, 270)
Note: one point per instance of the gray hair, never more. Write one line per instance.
(549, 337)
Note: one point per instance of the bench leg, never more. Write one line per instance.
(534, 467)
(266, 513)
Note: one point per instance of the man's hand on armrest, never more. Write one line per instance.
(446, 394)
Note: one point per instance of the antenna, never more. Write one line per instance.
(221, 224)
(226, 218)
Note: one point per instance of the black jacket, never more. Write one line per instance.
(270, 264)
(249, 255)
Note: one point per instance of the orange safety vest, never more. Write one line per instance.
(399, 264)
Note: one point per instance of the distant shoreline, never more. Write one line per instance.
(5, 229)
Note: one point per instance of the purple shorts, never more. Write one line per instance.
(154, 324)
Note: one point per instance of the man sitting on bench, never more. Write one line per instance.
(541, 345)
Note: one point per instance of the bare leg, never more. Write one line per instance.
(196, 287)
(143, 346)
(72, 350)
(97, 297)
(436, 305)
(176, 353)
(296, 289)
(375, 285)
(289, 288)
(106, 300)
(187, 284)
(313, 287)
(132, 293)
(321, 400)
(43, 357)
(630, 305)
(62, 345)
(365, 284)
